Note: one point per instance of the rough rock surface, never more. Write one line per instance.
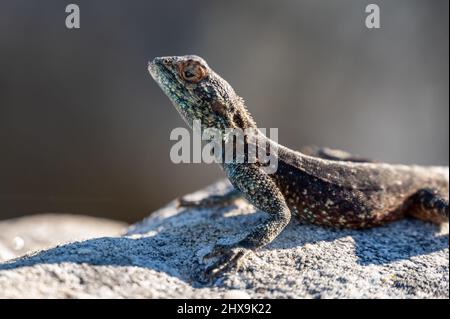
(161, 258)
(21, 235)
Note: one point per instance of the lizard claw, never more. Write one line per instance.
(183, 202)
(228, 258)
(202, 203)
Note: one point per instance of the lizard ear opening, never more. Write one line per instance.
(219, 108)
(238, 120)
(192, 71)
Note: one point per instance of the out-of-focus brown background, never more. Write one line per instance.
(84, 129)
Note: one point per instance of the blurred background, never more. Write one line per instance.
(84, 129)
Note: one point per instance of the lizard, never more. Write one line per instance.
(319, 186)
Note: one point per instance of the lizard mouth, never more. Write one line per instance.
(152, 69)
(164, 77)
(181, 98)
(162, 66)
(156, 69)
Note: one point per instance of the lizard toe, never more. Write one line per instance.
(182, 202)
(227, 258)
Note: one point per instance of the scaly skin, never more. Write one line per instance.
(325, 187)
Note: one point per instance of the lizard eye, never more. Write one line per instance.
(192, 71)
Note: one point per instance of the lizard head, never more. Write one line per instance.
(198, 93)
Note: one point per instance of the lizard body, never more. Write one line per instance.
(319, 186)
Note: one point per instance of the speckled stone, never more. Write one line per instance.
(161, 258)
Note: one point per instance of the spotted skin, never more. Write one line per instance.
(319, 186)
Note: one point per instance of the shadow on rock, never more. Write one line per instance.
(396, 241)
(175, 244)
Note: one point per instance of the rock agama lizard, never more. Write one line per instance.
(319, 186)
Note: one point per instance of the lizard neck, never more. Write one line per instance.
(237, 114)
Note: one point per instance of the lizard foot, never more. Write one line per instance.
(207, 202)
(182, 202)
(228, 257)
(211, 201)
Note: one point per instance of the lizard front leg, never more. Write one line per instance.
(261, 191)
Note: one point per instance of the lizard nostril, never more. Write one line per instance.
(162, 61)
